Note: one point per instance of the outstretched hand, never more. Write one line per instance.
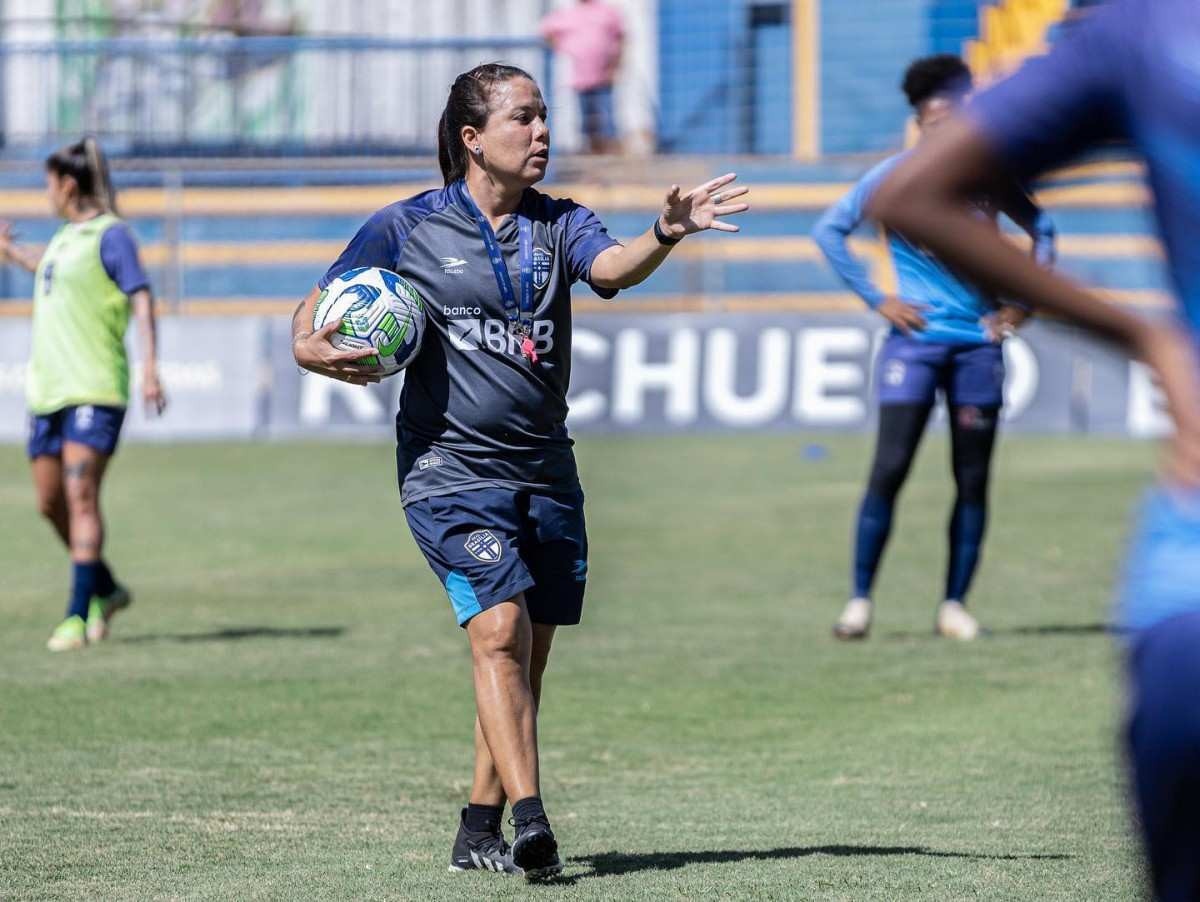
(702, 207)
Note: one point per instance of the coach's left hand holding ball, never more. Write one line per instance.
(683, 214)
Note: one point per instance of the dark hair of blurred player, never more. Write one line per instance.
(934, 84)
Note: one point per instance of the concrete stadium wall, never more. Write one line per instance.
(633, 372)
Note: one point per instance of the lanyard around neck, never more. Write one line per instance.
(522, 315)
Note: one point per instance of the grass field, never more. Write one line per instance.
(285, 712)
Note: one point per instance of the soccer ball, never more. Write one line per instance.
(380, 311)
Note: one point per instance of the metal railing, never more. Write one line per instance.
(258, 95)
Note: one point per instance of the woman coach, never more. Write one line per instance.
(488, 477)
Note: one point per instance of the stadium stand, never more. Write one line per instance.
(1011, 31)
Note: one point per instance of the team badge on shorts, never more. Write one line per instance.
(541, 267)
(483, 545)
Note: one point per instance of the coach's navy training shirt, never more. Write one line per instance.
(1130, 70)
(474, 412)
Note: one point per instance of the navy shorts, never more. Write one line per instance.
(94, 425)
(1164, 749)
(596, 111)
(910, 371)
(486, 545)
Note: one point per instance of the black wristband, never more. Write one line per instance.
(662, 237)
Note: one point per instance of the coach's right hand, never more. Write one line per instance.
(904, 316)
(315, 352)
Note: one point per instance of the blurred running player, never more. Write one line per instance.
(1128, 71)
(946, 334)
(487, 473)
(85, 283)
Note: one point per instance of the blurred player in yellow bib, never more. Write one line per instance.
(85, 282)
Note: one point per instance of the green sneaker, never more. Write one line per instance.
(70, 635)
(102, 610)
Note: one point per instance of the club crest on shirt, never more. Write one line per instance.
(542, 262)
(483, 545)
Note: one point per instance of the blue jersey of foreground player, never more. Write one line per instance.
(952, 307)
(1130, 71)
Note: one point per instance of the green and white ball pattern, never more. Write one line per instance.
(380, 311)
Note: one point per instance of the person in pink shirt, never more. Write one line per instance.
(591, 34)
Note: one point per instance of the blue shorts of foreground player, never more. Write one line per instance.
(94, 425)
(1159, 606)
(486, 545)
(1164, 746)
(910, 371)
(1161, 577)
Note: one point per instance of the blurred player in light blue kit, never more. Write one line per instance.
(946, 335)
(1129, 71)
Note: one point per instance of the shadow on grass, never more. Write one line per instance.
(607, 864)
(1061, 629)
(1045, 629)
(241, 632)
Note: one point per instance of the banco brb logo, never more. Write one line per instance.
(495, 335)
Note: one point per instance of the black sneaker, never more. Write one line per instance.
(481, 851)
(535, 851)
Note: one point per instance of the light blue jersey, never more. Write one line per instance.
(953, 308)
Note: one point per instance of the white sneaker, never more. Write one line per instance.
(855, 621)
(954, 622)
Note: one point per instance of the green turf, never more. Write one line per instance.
(285, 712)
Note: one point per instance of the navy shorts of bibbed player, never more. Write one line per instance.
(95, 425)
(486, 545)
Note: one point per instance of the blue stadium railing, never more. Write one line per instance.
(241, 95)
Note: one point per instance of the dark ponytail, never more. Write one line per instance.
(469, 103)
(84, 162)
